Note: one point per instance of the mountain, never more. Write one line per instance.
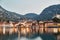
(49, 12)
(31, 16)
(11, 16)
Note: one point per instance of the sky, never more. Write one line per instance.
(27, 6)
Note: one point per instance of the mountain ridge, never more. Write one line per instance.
(46, 14)
(50, 12)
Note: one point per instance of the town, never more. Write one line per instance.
(29, 26)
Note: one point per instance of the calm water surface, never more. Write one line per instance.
(32, 37)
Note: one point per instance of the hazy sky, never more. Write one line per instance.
(27, 6)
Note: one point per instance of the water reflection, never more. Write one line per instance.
(24, 38)
(32, 37)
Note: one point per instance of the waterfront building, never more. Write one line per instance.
(41, 26)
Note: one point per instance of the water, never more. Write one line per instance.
(33, 37)
(24, 38)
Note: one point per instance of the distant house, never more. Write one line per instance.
(56, 18)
